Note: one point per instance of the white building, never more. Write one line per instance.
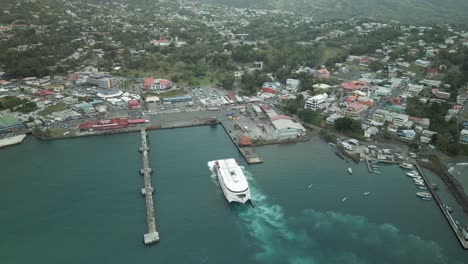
(314, 102)
(400, 119)
(292, 84)
(286, 128)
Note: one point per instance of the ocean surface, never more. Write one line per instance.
(78, 201)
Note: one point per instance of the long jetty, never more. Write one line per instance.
(448, 216)
(152, 236)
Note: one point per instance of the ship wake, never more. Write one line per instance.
(326, 237)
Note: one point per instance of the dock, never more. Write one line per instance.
(152, 236)
(250, 156)
(369, 167)
(444, 210)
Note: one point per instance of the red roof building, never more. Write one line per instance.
(133, 104)
(148, 82)
(245, 141)
(44, 92)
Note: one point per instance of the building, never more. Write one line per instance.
(271, 87)
(464, 136)
(157, 84)
(161, 42)
(286, 128)
(322, 74)
(292, 84)
(9, 123)
(462, 98)
(258, 65)
(101, 81)
(355, 110)
(314, 102)
(400, 119)
(133, 105)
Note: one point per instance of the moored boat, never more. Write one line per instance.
(232, 180)
(350, 171)
(424, 195)
(406, 166)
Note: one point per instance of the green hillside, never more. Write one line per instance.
(421, 11)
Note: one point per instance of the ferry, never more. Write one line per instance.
(406, 166)
(232, 180)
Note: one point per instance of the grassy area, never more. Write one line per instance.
(53, 108)
(173, 93)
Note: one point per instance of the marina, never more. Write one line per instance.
(152, 236)
(456, 229)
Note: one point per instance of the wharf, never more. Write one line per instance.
(368, 165)
(250, 156)
(152, 236)
(442, 207)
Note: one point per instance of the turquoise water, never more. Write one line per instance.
(78, 201)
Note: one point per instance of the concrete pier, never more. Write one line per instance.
(368, 165)
(448, 216)
(152, 236)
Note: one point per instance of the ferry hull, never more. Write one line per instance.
(238, 197)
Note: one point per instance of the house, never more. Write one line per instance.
(400, 119)
(157, 84)
(322, 74)
(414, 90)
(258, 65)
(462, 98)
(422, 63)
(423, 122)
(355, 110)
(161, 42)
(464, 136)
(321, 86)
(382, 91)
(271, 87)
(442, 95)
(432, 72)
(292, 84)
(371, 131)
(353, 85)
(316, 101)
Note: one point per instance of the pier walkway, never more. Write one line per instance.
(152, 236)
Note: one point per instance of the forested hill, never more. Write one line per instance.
(417, 11)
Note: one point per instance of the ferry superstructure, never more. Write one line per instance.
(232, 180)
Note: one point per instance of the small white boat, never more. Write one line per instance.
(412, 174)
(424, 195)
(366, 193)
(310, 186)
(422, 188)
(406, 166)
(344, 199)
(350, 171)
(378, 172)
(332, 144)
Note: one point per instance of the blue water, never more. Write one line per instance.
(78, 201)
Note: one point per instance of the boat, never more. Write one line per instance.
(424, 195)
(426, 198)
(449, 208)
(344, 199)
(11, 140)
(310, 186)
(406, 166)
(350, 171)
(420, 184)
(412, 174)
(378, 172)
(374, 166)
(332, 144)
(366, 193)
(232, 180)
(422, 188)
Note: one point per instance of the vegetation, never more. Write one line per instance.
(349, 127)
(53, 108)
(447, 131)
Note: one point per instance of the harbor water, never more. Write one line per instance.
(78, 201)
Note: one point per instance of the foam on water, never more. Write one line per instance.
(326, 237)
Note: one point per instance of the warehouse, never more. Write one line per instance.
(287, 128)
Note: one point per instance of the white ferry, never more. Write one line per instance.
(232, 180)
